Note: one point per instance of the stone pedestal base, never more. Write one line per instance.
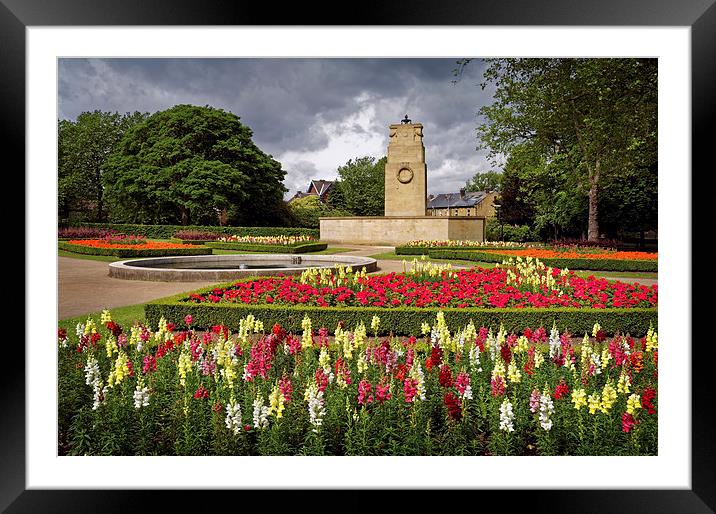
(397, 230)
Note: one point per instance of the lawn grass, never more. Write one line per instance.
(124, 316)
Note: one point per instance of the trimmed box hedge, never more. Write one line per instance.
(424, 250)
(124, 253)
(572, 264)
(399, 320)
(191, 241)
(253, 247)
(168, 231)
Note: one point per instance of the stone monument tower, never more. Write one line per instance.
(405, 171)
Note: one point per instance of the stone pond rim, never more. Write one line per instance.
(168, 269)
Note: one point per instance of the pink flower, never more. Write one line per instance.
(188, 319)
(364, 396)
(534, 400)
(498, 386)
(382, 392)
(410, 388)
(628, 422)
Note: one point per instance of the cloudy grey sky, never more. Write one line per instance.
(312, 115)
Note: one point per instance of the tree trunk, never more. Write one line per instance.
(593, 223)
(100, 206)
(184, 216)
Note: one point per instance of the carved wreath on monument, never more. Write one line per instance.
(405, 175)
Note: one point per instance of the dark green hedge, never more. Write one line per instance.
(424, 250)
(572, 264)
(401, 320)
(253, 247)
(168, 231)
(124, 253)
(191, 241)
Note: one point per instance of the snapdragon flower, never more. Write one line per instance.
(261, 413)
(513, 372)
(233, 417)
(546, 409)
(554, 341)
(506, 416)
(579, 398)
(633, 403)
(316, 409)
(141, 395)
(276, 402)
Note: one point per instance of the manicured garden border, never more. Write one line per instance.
(191, 241)
(424, 250)
(133, 252)
(572, 264)
(400, 320)
(253, 247)
(168, 231)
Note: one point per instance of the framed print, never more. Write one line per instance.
(37, 39)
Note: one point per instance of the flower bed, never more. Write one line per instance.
(422, 247)
(527, 291)
(261, 391)
(167, 231)
(83, 233)
(133, 249)
(576, 260)
(249, 247)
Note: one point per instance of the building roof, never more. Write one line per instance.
(454, 200)
(321, 186)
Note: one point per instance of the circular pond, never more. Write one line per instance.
(227, 267)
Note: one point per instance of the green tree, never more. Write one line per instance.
(594, 118)
(83, 148)
(362, 186)
(485, 181)
(306, 211)
(191, 164)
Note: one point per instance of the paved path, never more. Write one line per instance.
(85, 286)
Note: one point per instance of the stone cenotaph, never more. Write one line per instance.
(405, 219)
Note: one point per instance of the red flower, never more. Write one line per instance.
(562, 389)
(506, 353)
(445, 376)
(647, 398)
(498, 386)
(321, 379)
(452, 402)
(201, 393)
(628, 422)
(150, 364)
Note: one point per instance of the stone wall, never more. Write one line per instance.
(396, 230)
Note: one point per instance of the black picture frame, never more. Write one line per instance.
(699, 15)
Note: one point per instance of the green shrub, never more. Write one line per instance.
(424, 250)
(572, 264)
(191, 241)
(168, 231)
(515, 233)
(252, 247)
(400, 320)
(123, 253)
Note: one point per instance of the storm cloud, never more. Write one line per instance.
(312, 115)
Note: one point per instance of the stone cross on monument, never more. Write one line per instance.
(405, 171)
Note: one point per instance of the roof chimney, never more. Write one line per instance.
(462, 192)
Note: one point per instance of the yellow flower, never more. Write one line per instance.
(606, 357)
(633, 403)
(513, 372)
(609, 398)
(306, 338)
(276, 402)
(539, 359)
(652, 341)
(119, 371)
(361, 363)
(425, 328)
(183, 366)
(578, 398)
(522, 344)
(499, 369)
(324, 359)
(595, 403)
(359, 335)
(110, 345)
(106, 317)
(596, 329)
(623, 383)
(375, 323)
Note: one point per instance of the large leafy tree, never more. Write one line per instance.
(485, 181)
(191, 164)
(307, 211)
(83, 148)
(592, 120)
(361, 186)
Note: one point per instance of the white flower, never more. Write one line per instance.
(554, 342)
(233, 417)
(546, 409)
(141, 396)
(261, 412)
(316, 410)
(506, 416)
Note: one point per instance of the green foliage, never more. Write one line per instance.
(192, 164)
(506, 232)
(306, 211)
(251, 247)
(572, 264)
(82, 149)
(168, 231)
(425, 250)
(578, 131)
(361, 187)
(400, 320)
(124, 253)
(485, 181)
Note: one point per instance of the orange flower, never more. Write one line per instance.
(552, 254)
(149, 245)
